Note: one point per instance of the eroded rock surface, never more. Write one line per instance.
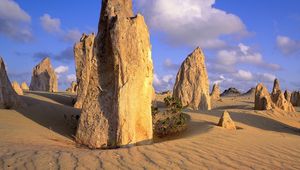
(215, 94)
(279, 99)
(231, 92)
(117, 108)
(24, 86)
(295, 98)
(73, 88)
(226, 121)
(83, 53)
(8, 97)
(44, 77)
(263, 99)
(17, 88)
(192, 84)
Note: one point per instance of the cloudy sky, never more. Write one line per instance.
(245, 42)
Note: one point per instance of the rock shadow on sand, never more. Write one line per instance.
(256, 121)
(56, 117)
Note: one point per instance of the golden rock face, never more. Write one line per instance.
(44, 77)
(192, 84)
(117, 109)
(83, 53)
(17, 88)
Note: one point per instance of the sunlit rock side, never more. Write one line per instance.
(117, 108)
(44, 77)
(192, 84)
(83, 53)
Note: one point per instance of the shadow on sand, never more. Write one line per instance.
(50, 115)
(253, 120)
(62, 98)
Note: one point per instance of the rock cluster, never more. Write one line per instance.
(17, 88)
(117, 108)
(295, 98)
(231, 92)
(73, 88)
(277, 100)
(44, 77)
(24, 86)
(192, 84)
(8, 97)
(263, 99)
(226, 121)
(215, 93)
(83, 53)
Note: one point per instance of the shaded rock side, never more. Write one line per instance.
(8, 97)
(24, 86)
(226, 121)
(231, 92)
(263, 99)
(295, 98)
(287, 95)
(192, 84)
(43, 77)
(15, 85)
(83, 53)
(215, 93)
(117, 108)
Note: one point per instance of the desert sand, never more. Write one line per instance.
(41, 136)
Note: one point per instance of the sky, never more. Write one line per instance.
(245, 42)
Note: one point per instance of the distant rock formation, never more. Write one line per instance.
(24, 86)
(279, 99)
(73, 88)
(117, 108)
(287, 95)
(192, 84)
(250, 92)
(226, 121)
(43, 77)
(215, 93)
(295, 98)
(17, 88)
(83, 53)
(8, 97)
(265, 101)
(231, 92)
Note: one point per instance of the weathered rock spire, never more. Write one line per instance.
(117, 108)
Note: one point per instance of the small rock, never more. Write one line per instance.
(226, 121)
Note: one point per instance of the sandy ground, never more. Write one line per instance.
(40, 135)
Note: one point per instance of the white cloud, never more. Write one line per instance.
(243, 54)
(72, 35)
(53, 25)
(192, 22)
(61, 69)
(168, 64)
(49, 24)
(244, 75)
(287, 45)
(14, 21)
(163, 83)
(71, 78)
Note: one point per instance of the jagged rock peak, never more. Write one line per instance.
(192, 83)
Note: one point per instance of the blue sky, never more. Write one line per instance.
(245, 42)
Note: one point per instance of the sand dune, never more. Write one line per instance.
(40, 136)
